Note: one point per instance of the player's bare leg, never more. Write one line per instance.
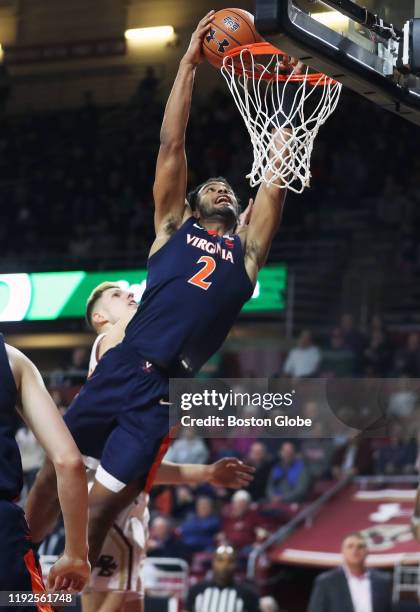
(104, 507)
(110, 602)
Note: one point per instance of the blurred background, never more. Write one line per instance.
(81, 102)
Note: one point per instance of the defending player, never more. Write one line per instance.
(22, 383)
(199, 277)
(116, 584)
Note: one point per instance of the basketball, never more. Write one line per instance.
(231, 28)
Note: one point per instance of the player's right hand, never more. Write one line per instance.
(69, 574)
(231, 473)
(194, 54)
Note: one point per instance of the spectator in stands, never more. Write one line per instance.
(77, 371)
(240, 522)
(407, 359)
(378, 355)
(183, 503)
(337, 358)
(162, 541)
(268, 604)
(188, 448)
(317, 452)
(199, 530)
(399, 456)
(147, 87)
(402, 402)
(222, 592)
(259, 458)
(304, 359)
(351, 587)
(289, 479)
(354, 341)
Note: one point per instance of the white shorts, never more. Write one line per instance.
(120, 563)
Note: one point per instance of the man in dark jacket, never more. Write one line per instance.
(352, 588)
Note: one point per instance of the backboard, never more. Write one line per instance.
(367, 45)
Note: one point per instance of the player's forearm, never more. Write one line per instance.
(185, 473)
(177, 109)
(42, 505)
(73, 495)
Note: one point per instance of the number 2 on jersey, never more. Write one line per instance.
(199, 279)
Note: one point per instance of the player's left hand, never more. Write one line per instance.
(68, 574)
(231, 473)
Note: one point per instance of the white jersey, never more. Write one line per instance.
(94, 354)
(122, 556)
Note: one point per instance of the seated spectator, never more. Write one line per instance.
(399, 456)
(183, 502)
(407, 359)
(317, 452)
(199, 530)
(77, 371)
(378, 355)
(147, 88)
(304, 359)
(289, 479)
(184, 499)
(240, 522)
(311, 411)
(354, 340)
(402, 402)
(268, 604)
(188, 448)
(353, 457)
(162, 541)
(222, 588)
(337, 358)
(259, 458)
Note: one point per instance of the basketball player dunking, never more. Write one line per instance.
(116, 581)
(21, 383)
(199, 277)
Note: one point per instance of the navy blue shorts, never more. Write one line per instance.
(121, 416)
(19, 569)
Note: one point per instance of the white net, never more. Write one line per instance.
(282, 113)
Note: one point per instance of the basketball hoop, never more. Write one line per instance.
(283, 111)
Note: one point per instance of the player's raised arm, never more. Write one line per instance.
(265, 220)
(171, 169)
(43, 418)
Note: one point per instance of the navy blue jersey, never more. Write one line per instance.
(196, 286)
(11, 478)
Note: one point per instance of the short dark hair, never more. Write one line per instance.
(193, 195)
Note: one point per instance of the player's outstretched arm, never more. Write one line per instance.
(43, 418)
(264, 223)
(171, 169)
(229, 472)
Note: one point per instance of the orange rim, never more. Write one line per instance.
(265, 48)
